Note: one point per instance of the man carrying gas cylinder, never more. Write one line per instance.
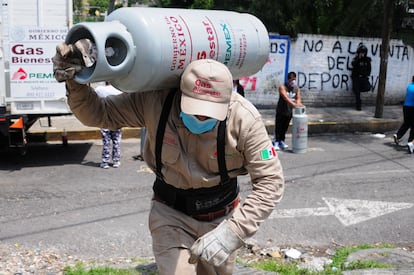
(200, 137)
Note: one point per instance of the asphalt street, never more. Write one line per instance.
(346, 189)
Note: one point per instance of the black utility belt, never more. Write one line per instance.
(197, 201)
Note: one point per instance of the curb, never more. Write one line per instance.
(333, 127)
(373, 126)
(86, 134)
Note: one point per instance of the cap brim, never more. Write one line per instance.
(193, 106)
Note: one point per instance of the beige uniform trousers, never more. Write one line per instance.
(173, 234)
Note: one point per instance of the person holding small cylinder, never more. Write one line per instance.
(289, 97)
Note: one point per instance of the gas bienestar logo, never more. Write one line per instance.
(22, 54)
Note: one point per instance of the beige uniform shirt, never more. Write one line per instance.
(189, 160)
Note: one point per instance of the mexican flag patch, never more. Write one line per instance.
(268, 153)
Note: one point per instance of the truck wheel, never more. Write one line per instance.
(23, 151)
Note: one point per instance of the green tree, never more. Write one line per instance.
(290, 17)
(203, 4)
(174, 3)
(102, 4)
(330, 17)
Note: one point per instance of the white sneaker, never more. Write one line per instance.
(410, 146)
(396, 140)
(104, 165)
(283, 145)
(116, 164)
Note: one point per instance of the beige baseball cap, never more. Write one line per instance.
(206, 87)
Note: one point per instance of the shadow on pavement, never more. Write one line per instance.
(45, 154)
(402, 147)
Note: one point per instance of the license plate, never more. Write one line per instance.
(24, 106)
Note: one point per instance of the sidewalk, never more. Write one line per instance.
(320, 120)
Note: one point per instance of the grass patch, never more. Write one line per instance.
(338, 260)
(282, 268)
(335, 268)
(80, 269)
(366, 264)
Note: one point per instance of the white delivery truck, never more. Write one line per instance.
(29, 33)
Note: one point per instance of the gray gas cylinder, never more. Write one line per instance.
(299, 130)
(152, 46)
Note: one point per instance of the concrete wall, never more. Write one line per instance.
(323, 66)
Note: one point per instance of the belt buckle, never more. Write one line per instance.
(219, 213)
(212, 216)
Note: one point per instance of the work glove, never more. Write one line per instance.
(70, 59)
(215, 246)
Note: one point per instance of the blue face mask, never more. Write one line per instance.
(196, 126)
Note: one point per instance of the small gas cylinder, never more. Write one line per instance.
(299, 130)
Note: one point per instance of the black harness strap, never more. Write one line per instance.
(221, 154)
(160, 131)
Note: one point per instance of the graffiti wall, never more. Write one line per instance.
(323, 67)
(261, 88)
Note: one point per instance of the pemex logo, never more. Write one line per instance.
(20, 74)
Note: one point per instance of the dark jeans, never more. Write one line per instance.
(408, 123)
(356, 87)
(281, 126)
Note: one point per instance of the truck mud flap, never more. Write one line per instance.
(13, 134)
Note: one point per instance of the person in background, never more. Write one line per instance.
(108, 135)
(361, 70)
(237, 87)
(408, 123)
(289, 97)
(200, 137)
